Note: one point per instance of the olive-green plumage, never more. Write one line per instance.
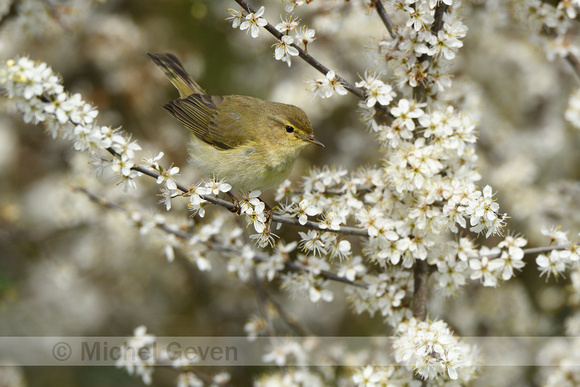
(249, 143)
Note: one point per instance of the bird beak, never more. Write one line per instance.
(313, 141)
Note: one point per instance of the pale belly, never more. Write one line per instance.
(244, 169)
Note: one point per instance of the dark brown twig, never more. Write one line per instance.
(378, 4)
(531, 251)
(439, 12)
(188, 236)
(306, 56)
(421, 274)
(419, 92)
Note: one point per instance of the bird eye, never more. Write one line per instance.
(289, 129)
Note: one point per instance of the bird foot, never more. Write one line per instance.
(269, 216)
(236, 208)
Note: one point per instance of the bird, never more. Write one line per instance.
(244, 141)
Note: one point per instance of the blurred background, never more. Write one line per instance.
(69, 267)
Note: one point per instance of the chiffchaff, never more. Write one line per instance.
(249, 143)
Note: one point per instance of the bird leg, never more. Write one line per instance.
(236, 209)
(269, 216)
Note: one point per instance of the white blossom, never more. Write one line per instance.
(253, 22)
(304, 36)
(327, 86)
(431, 349)
(377, 91)
(284, 50)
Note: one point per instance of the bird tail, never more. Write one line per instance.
(174, 71)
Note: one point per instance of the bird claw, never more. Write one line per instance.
(236, 209)
(269, 216)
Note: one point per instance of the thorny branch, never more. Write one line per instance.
(292, 266)
(306, 56)
(378, 4)
(229, 205)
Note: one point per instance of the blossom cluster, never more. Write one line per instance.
(38, 94)
(37, 17)
(394, 243)
(561, 43)
(138, 365)
(434, 352)
(327, 86)
(420, 55)
(285, 47)
(559, 261)
(563, 357)
(377, 91)
(370, 376)
(251, 22)
(537, 16)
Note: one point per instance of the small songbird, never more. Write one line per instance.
(247, 142)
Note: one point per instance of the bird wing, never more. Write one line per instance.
(207, 118)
